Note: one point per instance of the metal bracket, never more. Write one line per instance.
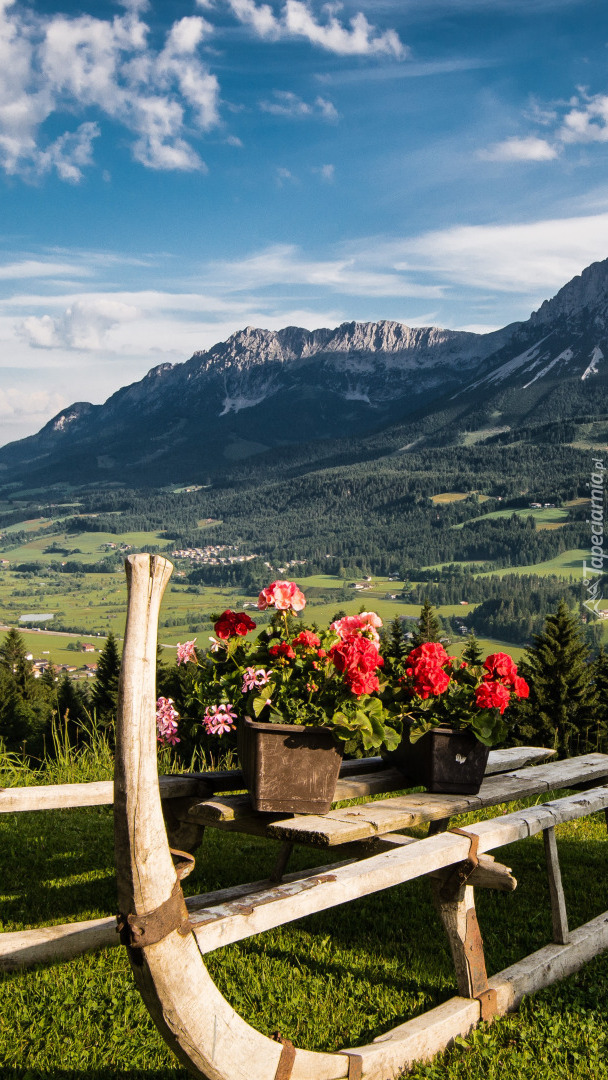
(488, 999)
(355, 1065)
(462, 870)
(137, 931)
(287, 1058)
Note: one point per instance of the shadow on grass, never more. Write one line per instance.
(18, 1073)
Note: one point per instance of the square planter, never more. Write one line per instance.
(452, 762)
(289, 769)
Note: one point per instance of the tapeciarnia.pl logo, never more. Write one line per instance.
(594, 570)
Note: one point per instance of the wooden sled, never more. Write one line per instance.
(167, 952)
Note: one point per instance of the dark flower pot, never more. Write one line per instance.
(289, 769)
(443, 760)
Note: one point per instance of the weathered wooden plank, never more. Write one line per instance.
(223, 924)
(488, 874)
(527, 822)
(516, 757)
(354, 823)
(26, 948)
(97, 793)
(353, 785)
(420, 1039)
(358, 778)
(550, 964)
(559, 916)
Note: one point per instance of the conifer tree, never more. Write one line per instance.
(104, 693)
(394, 647)
(473, 652)
(600, 676)
(13, 658)
(49, 676)
(561, 707)
(429, 626)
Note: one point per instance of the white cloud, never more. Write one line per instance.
(287, 104)
(584, 120)
(283, 175)
(39, 405)
(83, 325)
(283, 264)
(530, 148)
(326, 172)
(360, 38)
(587, 120)
(37, 268)
(53, 65)
(521, 258)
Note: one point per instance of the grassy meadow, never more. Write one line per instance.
(338, 978)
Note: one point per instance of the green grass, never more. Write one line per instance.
(91, 546)
(338, 978)
(549, 518)
(568, 564)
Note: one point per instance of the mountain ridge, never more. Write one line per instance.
(263, 390)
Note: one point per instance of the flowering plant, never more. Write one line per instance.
(291, 674)
(436, 690)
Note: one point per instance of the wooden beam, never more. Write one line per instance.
(25, 948)
(460, 923)
(559, 915)
(357, 779)
(418, 1040)
(97, 793)
(404, 811)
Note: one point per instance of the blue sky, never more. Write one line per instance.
(172, 172)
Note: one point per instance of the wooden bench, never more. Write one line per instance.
(167, 960)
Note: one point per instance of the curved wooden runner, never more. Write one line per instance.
(199, 1025)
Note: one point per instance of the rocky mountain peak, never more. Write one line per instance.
(587, 292)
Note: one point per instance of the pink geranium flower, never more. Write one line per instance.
(166, 722)
(219, 719)
(366, 623)
(282, 595)
(254, 679)
(186, 651)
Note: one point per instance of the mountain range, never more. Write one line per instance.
(263, 391)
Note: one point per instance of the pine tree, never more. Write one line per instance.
(600, 676)
(13, 658)
(393, 647)
(473, 652)
(49, 676)
(561, 707)
(104, 694)
(429, 626)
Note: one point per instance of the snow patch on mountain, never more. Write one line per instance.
(357, 394)
(241, 401)
(567, 354)
(596, 356)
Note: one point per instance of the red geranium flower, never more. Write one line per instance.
(521, 687)
(431, 651)
(358, 659)
(308, 639)
(233, 624)
(500, 666)
(284, 649)
(492, 695)
(430, 679)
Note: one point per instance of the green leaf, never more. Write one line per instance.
(258, 706)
